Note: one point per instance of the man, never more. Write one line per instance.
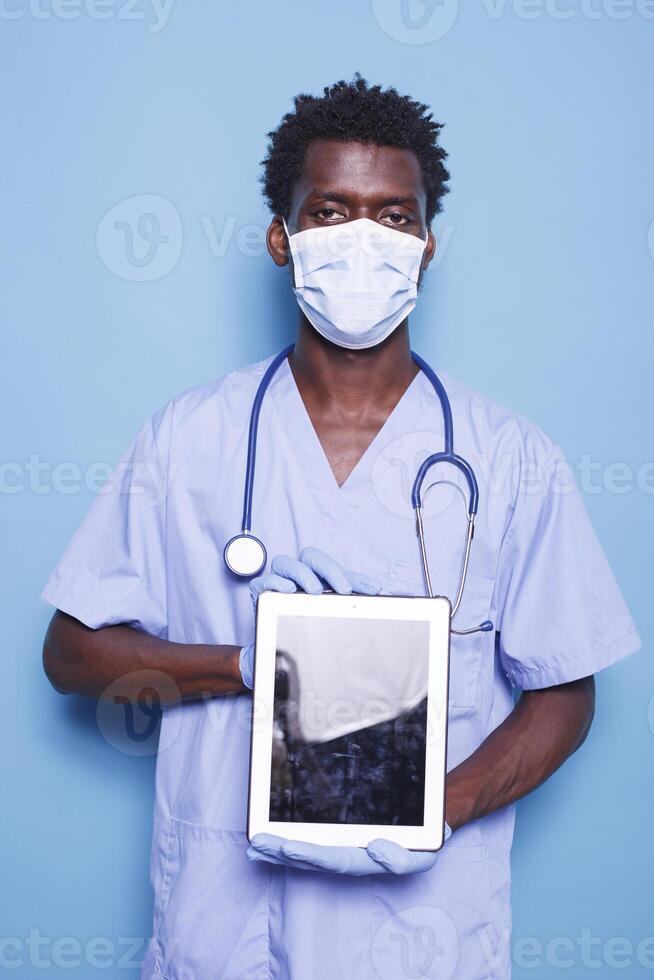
(144, 598)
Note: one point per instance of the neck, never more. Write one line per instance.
(352, 378)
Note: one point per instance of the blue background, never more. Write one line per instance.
(542, 299)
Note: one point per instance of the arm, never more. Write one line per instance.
(544, 728)
(81, 660)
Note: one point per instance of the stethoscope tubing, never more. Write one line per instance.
(446, 456)
(271, 371)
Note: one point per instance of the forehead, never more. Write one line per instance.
(360, 171)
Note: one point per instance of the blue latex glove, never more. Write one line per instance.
(311, 572)
(379, 857)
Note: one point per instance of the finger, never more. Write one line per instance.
(340, 579)
(328, 569)
(270, 847)
(423, 861)
(268, 842)
(271, 583)
(399, 860)
(391, 856)
(298, 572)
(364, 584)
(312, 854)
(260, 857)
(254, 854)
(337, 860)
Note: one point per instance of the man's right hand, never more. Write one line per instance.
(312, 572)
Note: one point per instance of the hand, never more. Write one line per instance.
(379, 857)
(307, 573)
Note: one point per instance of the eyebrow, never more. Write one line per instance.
(326, 195)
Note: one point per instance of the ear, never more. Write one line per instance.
(430, 250)
(277, 241)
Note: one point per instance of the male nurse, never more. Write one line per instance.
(144, 599)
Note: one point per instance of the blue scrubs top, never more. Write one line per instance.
(149, 553)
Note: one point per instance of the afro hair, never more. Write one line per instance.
(353, 112)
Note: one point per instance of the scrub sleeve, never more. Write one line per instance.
(562, 614)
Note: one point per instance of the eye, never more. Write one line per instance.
(329, 215)
(395, 218)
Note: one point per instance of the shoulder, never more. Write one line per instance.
(220, 401)
(518, 463)
(492, 428)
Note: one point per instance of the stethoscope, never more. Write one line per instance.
(245, 554)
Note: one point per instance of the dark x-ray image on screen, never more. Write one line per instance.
(350, 721)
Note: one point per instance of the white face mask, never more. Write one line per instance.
(356, 282)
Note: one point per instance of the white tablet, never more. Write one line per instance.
(349, 721)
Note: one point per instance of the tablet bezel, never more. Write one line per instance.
(436, 611)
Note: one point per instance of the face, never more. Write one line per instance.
(347, 181)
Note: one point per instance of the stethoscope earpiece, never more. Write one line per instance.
(484, 627)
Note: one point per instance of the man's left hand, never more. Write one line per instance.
(379, 857)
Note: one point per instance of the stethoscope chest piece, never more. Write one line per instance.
(245, 555)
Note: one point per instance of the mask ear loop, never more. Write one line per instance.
(422, 257)
(298, 278)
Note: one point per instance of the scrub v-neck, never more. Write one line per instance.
(309, 452)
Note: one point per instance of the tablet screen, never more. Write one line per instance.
(349, 721)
